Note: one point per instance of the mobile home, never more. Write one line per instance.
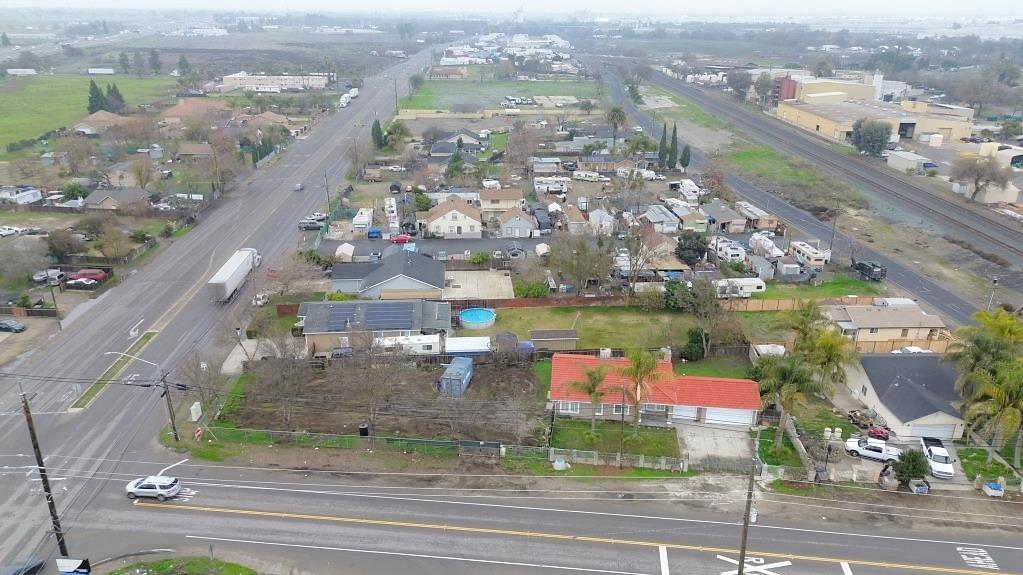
(809, 255)
(739, 287)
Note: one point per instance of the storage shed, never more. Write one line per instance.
(467, 346)
(555, 339)
(456, 377)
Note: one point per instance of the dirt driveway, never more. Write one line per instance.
(14, 344)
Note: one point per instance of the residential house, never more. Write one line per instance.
(669, 398)
(442, 149)
(328, 325)
(660, 255)
(403, 274)
(193, 151)
(601, 222)
(494, 202)
(756, 218)
(544, 166)
(723, 219)
(20, 195)
(885, 327)
(50, 159)
(516, 223)
(690, 219)
(438, 164)
(117, 198)
(914, 393)
(574, 220)
(449, 73)
(452, 219)
(604, 163)
(578, 143)
(661, 218)
(265, 119)
(214, 109)
(470, 139)
(99, 122)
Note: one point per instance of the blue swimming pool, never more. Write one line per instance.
(477, 318)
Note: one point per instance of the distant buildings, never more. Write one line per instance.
(263, 83)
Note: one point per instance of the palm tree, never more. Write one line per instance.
(782, 382)
(1002, 325)
(592, 387)
(804, 320)
(975, 351)
(996, 407)
(617, 118)
(828, 351)
(641, 372)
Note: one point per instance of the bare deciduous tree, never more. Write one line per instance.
(980, 172)
(21, 257)
(204, 382)
(142, 171)
(77, 151)
(113, 243)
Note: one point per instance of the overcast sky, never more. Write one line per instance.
(667, 8)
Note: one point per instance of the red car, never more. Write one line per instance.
(878, 432)
(401, 239)
(95, 275)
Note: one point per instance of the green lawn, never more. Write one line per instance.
(764, 326)
(185, 566)
(837, 287)
(443, 94)
(542, 369)
(771, 164)
(31, 106)
(684, 109)
(974, 462)
(653, 441)
(816, 414)
(724, 366)
(498, 142)
(800, 181)
(786, 456)
(615, 327)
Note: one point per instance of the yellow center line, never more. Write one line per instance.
(553, 536)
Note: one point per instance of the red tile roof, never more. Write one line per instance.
(667, 388)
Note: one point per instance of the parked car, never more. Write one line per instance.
(938, 459)
(309, 225)
(316, 216)
(8, 231)
(871, 449)
(11, 325)
(52, 275)
(395, 168)
(401, 239)
(92, 274)
(82, 283)
(878, 432)
(299, 187)
(158, 486)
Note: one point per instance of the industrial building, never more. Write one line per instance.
(261, 83)
(833, 114)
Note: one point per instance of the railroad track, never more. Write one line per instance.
(998, 233)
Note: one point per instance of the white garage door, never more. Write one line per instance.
(940, 431)
(729, 416)
(683, 412)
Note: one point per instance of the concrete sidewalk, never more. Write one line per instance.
(246, 349)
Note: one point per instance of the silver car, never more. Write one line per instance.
(157, 486)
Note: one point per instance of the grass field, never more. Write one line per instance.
(617, 327)
(32, 106)
(764, 326)
(837, 287)
(443, 94)
(724, 366)
(683, 109)
(799, 181)
(185, 566)
(653, 441)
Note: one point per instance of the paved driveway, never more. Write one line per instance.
(705, 442)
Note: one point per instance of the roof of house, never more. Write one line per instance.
(102, 119)
(543, 334)
(516, 214)
(444, 147)
(453, 203)
(374, 315)
(601, 215)
(884, 316)
(195, 149)
(656, 213)
(654, 239)
(463, 133)
(406, 263)
(912, 386)
(500, 194)
(574, 215)
(196, 107)
(667, 388)
(119, 195)
(720, 212)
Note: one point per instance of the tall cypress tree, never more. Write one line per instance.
(662, 148)
(114, 99)
(673, 148)
(97, 101)
(685, 157)
(377, 134)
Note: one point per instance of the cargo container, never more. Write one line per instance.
(225, 283)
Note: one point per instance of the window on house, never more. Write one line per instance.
(621, 409)
(651, 407)
(863, 391)
(873, 330)
(598, 409)
(568, 406)
(451, 229)
(905, 332)
(428, 347)
(454, 216)
(472, 228)
(494, 202)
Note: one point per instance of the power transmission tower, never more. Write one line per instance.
(43, 477)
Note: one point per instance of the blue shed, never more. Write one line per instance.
(456, 377)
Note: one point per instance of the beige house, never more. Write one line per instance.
(885, 328)
(575, 221)
(216, 110)
(452, 219)
(493, 203)
(117, 199)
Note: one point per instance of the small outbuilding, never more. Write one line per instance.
(456, 377)
(555, 339)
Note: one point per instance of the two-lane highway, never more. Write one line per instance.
(166, 296)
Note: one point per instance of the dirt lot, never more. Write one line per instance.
(502, 403)
(14, 344)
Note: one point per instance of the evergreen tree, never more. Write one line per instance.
(377, 134)
(685, 158)
(154, 61)
(4, 40)
(662, 148)
(673, 148)
(125, 63)
(115, 101)
(139, 62)
(97, 101)
(183, 66)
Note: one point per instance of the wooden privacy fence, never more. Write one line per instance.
(18, 311)
(753, 304)
(937, 345)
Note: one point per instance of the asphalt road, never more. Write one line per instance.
(348, 524)
(954, 308)
(167, 296)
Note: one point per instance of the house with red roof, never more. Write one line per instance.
(668, 398)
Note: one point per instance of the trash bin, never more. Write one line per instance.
(363, 430)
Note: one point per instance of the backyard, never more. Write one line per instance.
(836, 287)
(32, 106)
(615, 327)
(735, 366)
(764, 326)
(444, 94)
(786, 456)
(652, 441)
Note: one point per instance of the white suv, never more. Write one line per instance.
(157, 486)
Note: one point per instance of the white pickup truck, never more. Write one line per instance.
(871, 449)
(938, 458)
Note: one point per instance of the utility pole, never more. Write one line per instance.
(43, 477)
(170, 405)
(621, 433)
(991, 300)
(395, 94)
(834, 222)
(54, 298)
(326, 189)
(745, 517)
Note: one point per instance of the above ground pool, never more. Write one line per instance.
(477, 318)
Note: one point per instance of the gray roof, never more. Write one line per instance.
(119, 195)
(450, 147)
(375, 315)
(409, 264)
(912, 386)
(544, 334)
(720, 212)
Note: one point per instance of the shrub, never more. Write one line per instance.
(339, 296)
(168, 230)
(24, 301)
(912, 465)
(480, 258)
(530, 289)
(693, 350)
(140, 236)
(932, 173)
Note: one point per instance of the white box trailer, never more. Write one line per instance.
(586, 176)
(738, 287)
(225, 283)
(363, 219)
(353, 93)
(552, 185)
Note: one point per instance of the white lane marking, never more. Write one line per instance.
(603, 514)
(165, 469)
(663, 551)
(977, 557)
(416, 555)
(753, 565)
(846, 570)
(134, 331)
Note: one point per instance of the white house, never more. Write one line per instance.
(453, 218)
(601, 222)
